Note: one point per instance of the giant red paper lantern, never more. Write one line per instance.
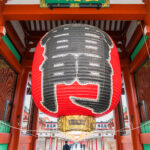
(76, 71)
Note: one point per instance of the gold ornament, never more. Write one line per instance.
(76, 123)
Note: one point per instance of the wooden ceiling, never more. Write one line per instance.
(34, 30)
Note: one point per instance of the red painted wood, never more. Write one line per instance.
(35, 127)
(115, 12)
(1, 30)
(4, 138)
(14, 38)
(126, 146)
(25, 139)
(140, 57)
(145, 138)
(2, 20)
(25, 146)
(117, 127)
(17, 110)
(11, 59)
(134, 40)
(147, 18)
(132, 108)
(34, 22)
(125, 139)
(115, 25)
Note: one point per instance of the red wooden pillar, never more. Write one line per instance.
(147, 18)
(57, 144)
(16, 115)
(134, 116)
(35, 127)
(2, 28)
(96, 144)
(50, 142)
(1, 13)
(20, 86)
(92, 144)
(117, 127)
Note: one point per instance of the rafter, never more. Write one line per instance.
(14, 37)
(23, 26)
(127, 25)
(134, 39)
(124, 37)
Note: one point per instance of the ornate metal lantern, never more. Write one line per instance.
(76, 72)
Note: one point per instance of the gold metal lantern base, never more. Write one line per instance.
(76, 123)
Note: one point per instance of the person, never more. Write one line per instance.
(66, 146)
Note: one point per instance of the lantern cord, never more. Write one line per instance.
(13, 127)
(41, 131)
(145, 41)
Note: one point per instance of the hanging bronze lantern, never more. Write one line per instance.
(76, 72)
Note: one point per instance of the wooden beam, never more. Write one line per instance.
(4, 138)
(2, 30)
(2, 20)
(26, 34)
(121, 117)
(140, 57)
(29, 56)
(10, 58)
(127, 25)
(27, 63)
(117, 127)
(134, 40)
(124, 33)
(115, 12)
(133, 109)
(23, 26)
(147, 17)
(14, 38)
(35, 127)
(16, 116)
(145, 138)
(25, 139)
(125, 139)
(124, 62)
